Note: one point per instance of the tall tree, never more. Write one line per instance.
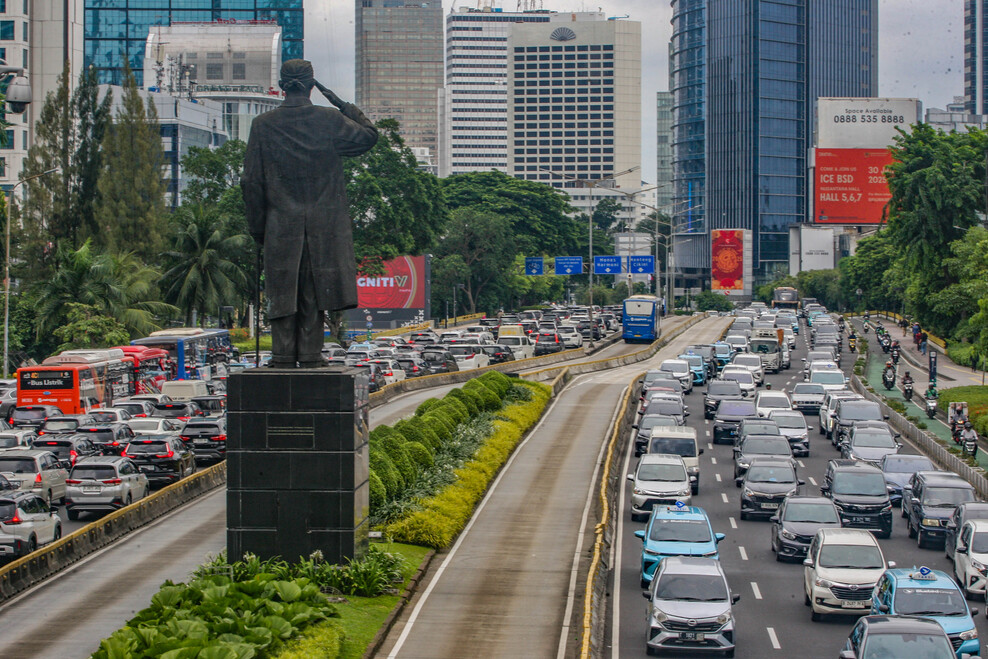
(213, 172)
(131, 206)
(92, 117)
(478, 251)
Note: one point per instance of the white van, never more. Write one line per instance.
(511, 330)
(521, 346)
(183, 390)
(681, 441)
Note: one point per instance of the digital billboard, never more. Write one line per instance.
(400, 293)
(849, 185)
(727, 259)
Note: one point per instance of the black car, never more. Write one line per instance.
(766, 485)
(756, 426)
(644, 429)
(163, 460)
(861, 495)
(759, 446)
(897, 635)
(66, 448)
(899, 468)
(547, 343)
(717, 391)
(414, 367)
(667, 404)
(65, 424)
(933, 498)
(109, 438)
(439, 361)
(176, 410)
(498, 354)
(795, 525)
(211, 405)
(850, 411)
(728, 417)
(207, 438)
(32, 416)
(584, 328)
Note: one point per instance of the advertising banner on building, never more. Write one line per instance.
(727, 259)
(399, 294)
(863, 122)
(849, 185)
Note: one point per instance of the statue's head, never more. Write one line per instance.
(297, 77)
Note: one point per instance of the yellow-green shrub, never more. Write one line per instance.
(321, 640)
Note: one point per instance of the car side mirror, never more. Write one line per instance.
(631, 477)
(951, 525)
(744, 394)
(808, 562)
(647, 594)
(640, 534)
(700, 452)
(685, 414)
(634, 426)
(974, 613)
(884, 608)
(847, 654)
(898, 444)
(718, 537)
(736, 597)
(891, 564)
(824, 488)
(739, 480)
(800, 482)
(692, 479)
(774, 518)
(886, 417)
(961, 549)
(737, 449)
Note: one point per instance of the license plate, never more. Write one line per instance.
(770, 506)
(691, 636)
(202, 442)
(91, 490)
(147, 467)
(860, 520)
(853, 605)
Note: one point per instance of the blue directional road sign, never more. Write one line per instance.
(534, 265)
(607, 265)
(641, 265)
(569, 265)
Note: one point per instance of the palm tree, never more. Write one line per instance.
(118, 285)
(204, 273)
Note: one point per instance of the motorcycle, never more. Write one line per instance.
(888, 379)
(895, 356)
(866, 327)
(907, 390)
(931, 407)
(886, 344)
(852, 343)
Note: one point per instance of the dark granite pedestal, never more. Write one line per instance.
(297, 463)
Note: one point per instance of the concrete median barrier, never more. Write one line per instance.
(25, 572)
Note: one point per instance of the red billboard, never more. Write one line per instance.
(850, 186)
(401, 286)
(727, 260)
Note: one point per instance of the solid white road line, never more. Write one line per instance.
(734, 522)
(812, 481)
(717, 477)
(756, 591)
(772, 637)
(744, 554)
(724, 497)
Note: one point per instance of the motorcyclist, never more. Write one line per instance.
(970, 439)
(907, 379)
(931, 391)
(889, 373)
(957, 416)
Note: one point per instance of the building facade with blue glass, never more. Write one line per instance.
(116, 31)
(746, 76)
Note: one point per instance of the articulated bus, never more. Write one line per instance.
(189, 348)
(77, 381)
(641, 318)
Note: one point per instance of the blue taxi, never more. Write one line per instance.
(723, 353)
(678, 530)
(697, 367)
(929, 594)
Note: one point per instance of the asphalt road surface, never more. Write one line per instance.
(771, 618)
(508, 585)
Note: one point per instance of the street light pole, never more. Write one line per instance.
(6, 273)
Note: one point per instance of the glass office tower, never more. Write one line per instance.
(975, 75)
(758, 73)
(117, 30)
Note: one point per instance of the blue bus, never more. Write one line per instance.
(189, 348)
(642, 314)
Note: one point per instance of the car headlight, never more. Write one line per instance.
(709, 554)
(823, 583)
(684, 492)
(969, 635)
(659, 615)
(747, 493)
(638, 490)
(723, 618)
(649, 552)
(977, 565)
(792, 492)
(930, 522)
(887, 509)
(788, 535)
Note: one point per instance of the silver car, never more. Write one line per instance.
(156, 426)
(35, 470)
(18, 438)
(103, 483)
(691, 607)
(659, 479)
(30, 519)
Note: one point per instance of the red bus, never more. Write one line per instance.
(150, 367)
(77, 381)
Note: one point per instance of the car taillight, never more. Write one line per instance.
(72, 456)
(170, 454)
(72, 481)
(218, 438)
(388, 374)
(124, 453)
(140, 416)
(15, 519)
(415, 369)
(114, 443)
(41, 432)
(185, 438)
(112, 481)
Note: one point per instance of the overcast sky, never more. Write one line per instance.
(920, 49)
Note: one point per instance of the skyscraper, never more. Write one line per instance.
(746, 75)
(117, 30)
(574, 106)
(975, 71)
(400, 66)
(663, 150)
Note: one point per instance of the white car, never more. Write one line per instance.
(792, 426)
(753, 363)
(390, 369)
(570, 336)
(469, 356)
(27, 516)
(521, 346)
(679, 369)
(739, 343)
(767, 401)
(660, 479)
(447, 337)
(841, 569)
(17, 438)
(742, 376)
(829, 379)
(153, 426)
(111, 415)
(971, 557)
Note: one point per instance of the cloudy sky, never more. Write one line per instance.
(920, 48)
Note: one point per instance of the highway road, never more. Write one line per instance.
(771, 618)
(508, 586)
(69, 614)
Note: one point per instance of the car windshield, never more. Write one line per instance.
(979, 543)
(761, 428)
(947, 497)
(29, 415)
(673, 446)
(786, 421)
(808, 388)
(18, 465)
(8, 441)
(859, 483)
(907, 464)
(146, 425)
(906, 646)
(64, 424)
(737, 408)
(93, 472)
(827, 377)
(680, 530)
(695, 361)
(171, 412)
(136, 448)
(201, 428)
(724, 389)
(666, 473)
(432, 357)
(866, 412)
(759, 446)
(929, 602)
(862, 557)
(818, 513)
(738, 376)
(665, 406)
(872, 439)
(691, 588)
(774, 402)
(650, 421)
(675, 367)
(105, 417)
(748, 360)
(779, 474)
(764, 347)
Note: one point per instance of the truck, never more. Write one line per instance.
(767, 344)
(785, 297)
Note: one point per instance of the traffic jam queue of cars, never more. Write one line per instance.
(836, 534)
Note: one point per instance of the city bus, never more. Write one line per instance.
(77, 381)
(785, 297)
(641, 318)
(150, 367)
(189, 349)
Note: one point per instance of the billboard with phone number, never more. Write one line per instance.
(850, 186)
(727, 260)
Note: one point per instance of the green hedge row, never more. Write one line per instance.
(399, 454)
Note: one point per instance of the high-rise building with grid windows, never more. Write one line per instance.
(117, 30)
